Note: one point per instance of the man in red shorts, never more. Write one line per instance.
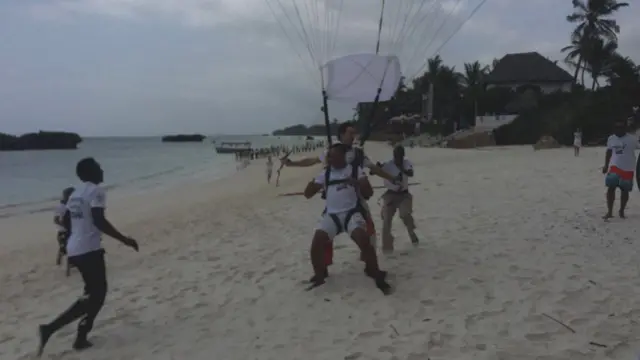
(619, 166)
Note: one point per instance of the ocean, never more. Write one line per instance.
(32, 181)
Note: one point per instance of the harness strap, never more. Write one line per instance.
(342, 227)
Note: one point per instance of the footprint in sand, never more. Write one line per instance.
(354, 356)
(539, 337)
(368, 334)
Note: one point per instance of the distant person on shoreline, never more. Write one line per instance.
(619, 167)
(347, 135)
(344, 185)
(85, 216)
(63, 232)
(577, 142)
(269, 168)
(397, 198)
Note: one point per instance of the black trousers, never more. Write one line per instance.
(93, 270)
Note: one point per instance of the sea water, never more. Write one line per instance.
(32, 180)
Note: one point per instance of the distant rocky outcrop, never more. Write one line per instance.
(546, 142)
(472, 140)
(183, 138)
(43, 140)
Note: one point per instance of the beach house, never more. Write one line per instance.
(529, 74)
(529, 69)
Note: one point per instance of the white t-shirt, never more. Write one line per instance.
(350, 156)
(85, 237)
(623, 154)
(391, 168)
(340, 197)
(59, 214)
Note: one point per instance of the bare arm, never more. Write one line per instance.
(607, 159)
(306, 162)
(377, 170)
(66, 220)
(101, 222)
(366, 190)
(312, 189)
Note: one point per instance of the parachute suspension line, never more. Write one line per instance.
(298, 32)
(473, 12)
(435, 35)
(338, 22)
(312, 17)
(291, 42)
(406, 25)
(380, 28)
(392, 30)
(325, 108)
(415, 24)
(367, 127)
(310, 44)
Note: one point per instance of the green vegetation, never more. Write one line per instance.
(614, 91)
(606, 86)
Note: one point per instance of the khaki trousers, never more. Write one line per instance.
(392, 202)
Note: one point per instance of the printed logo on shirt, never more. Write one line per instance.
(619, 149)
(75, 208)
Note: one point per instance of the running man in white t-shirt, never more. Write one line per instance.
(85, 216)
(619, 165)
(344, 185)
(577, 142)
(397, 198)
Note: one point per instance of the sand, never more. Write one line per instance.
(509, 237)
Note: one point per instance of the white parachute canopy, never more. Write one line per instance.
(357, 78)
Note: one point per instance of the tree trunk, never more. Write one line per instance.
(575, 75)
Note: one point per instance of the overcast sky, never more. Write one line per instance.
(150, 67)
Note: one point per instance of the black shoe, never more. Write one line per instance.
(414, 238)
(382, 284)
(313, 278)
(373, 275)
(315, 281)
(44, 333)
(81, 343)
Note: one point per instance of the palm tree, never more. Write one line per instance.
(622, 72)
(576, 51)
(494, 63)
(593, 23)
(599, 59)
(474, 74)
(591, 17)
(473, 81)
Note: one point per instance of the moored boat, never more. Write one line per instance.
(232, 147)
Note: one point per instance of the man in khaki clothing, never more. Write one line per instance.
(397, 198)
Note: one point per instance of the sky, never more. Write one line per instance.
(152, 67)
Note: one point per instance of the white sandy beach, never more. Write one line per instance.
(508, 235)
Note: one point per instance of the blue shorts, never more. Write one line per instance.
(613, 180)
